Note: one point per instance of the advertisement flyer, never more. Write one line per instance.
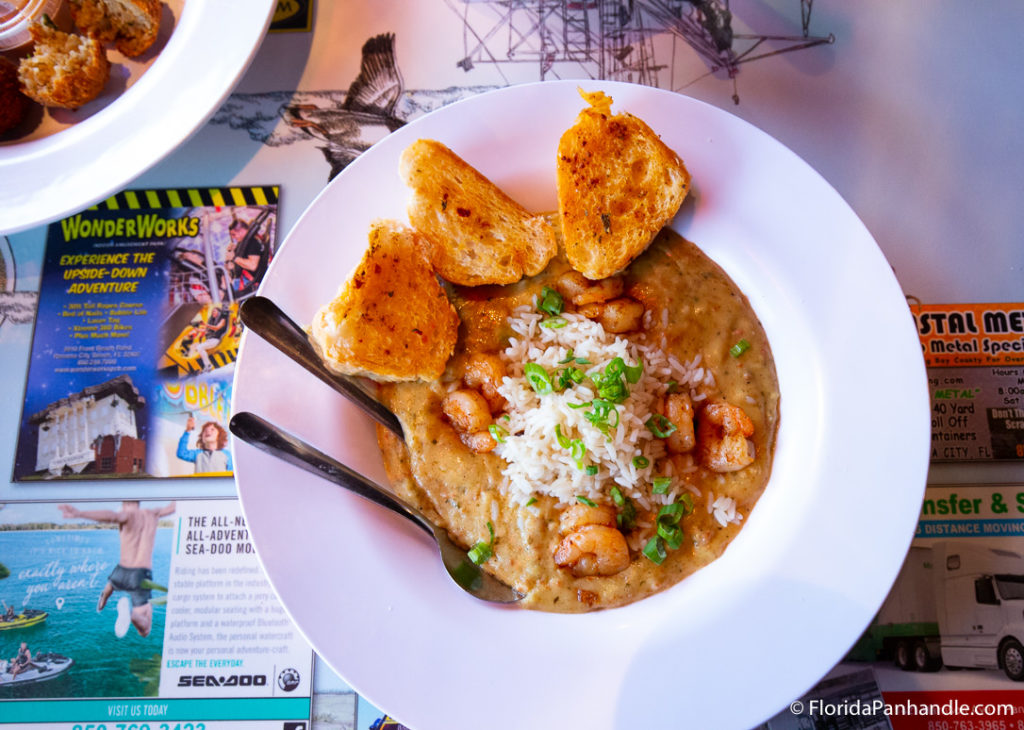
(137, 333)
(947, 644)
(975, 359)
(155, 613)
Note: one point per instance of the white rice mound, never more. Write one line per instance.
(536, 463)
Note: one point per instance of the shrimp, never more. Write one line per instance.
(580, 514)
(593, 550)
(484, 371)
(679, 410)
(616, 315)
(723, 431)
(467, 410)
(580, 290)
(479, 442)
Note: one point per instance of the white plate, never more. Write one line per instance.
(727, 647)
(69, 165)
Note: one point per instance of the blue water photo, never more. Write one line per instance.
(62, 572)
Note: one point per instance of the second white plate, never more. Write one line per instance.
(170, 96)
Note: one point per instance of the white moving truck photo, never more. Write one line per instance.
(954, 604)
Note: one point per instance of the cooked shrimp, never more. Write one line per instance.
(467, 410)
(580, 290)
(484, 371)
(580, 514)
(593, 550)
(723, 431)
(617, 315)
(679, 410)
(479, 442)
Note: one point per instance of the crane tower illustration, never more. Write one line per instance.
(622, 40)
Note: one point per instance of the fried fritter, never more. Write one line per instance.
(131, 25)
(391, 320)
(477, 234)
(64, 70)
(13, 104)
(618, 185)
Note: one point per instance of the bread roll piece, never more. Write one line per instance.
(618, 185)
(476, 233)
(65, 70)
(131, 25)
(391, 320)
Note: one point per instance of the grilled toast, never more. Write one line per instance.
(476, 233)
(391, 321)
(618, 185)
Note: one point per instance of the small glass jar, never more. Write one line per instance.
(17, 15)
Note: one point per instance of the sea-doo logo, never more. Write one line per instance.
(288, 679)
(229, 680)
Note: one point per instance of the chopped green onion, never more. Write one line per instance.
(739, 348)
(671, 534)
(577, 450)
(555, 322)
(568, 357)
(506, 417)
(671, 387)
(592, 470)
(583, 500)
(567, 377)
(670, 514)
(551, 301)
(660, 426)
(660, 485)
(615, 391)
(602, 409)
(580, 405)
(582, 361)
(467, 575)
(498, 433)
(626, 517)
(633, 372)
(609, 383)
(687, 501)
(531, 500)
(655, 550)
(482, 551)
(563, 440)
(538, 378)
(641, 462)
(479, 553)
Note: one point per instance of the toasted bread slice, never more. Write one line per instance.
(477, 234)
(618, 185)
(391, 320)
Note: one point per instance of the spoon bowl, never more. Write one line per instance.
(269, 438)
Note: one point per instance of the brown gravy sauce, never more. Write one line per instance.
(462, 490)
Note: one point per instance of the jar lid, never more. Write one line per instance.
(17, 15)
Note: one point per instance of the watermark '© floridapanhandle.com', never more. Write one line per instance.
(905, 708)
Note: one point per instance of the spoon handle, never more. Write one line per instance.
(265, 436)
(267, 320)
